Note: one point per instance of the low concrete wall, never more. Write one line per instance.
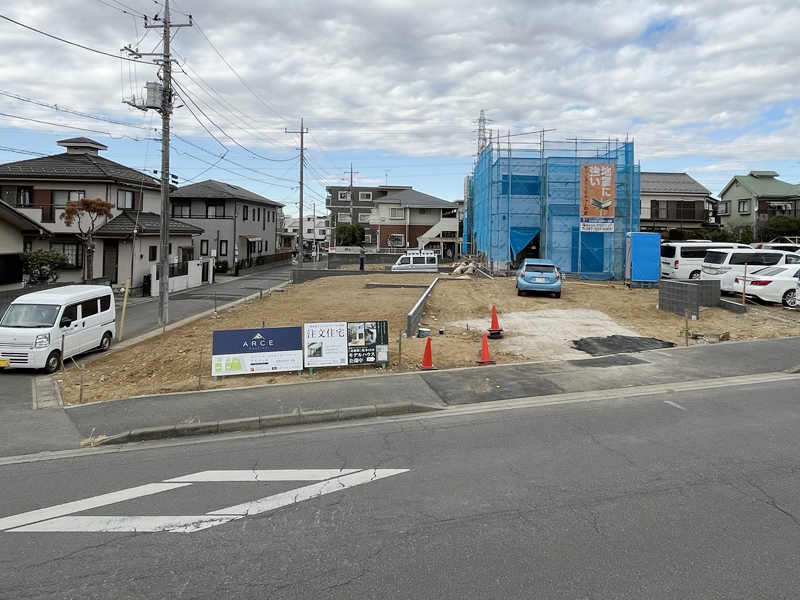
(336, 259)
(267, 267)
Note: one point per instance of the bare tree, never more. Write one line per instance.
(92, 209)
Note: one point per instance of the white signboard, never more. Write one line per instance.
(325, 344)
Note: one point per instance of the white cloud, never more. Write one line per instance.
(408, 77)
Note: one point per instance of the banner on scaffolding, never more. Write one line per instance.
(598, 198)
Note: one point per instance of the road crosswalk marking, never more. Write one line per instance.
(61, 518)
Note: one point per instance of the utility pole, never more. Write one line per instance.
(165, 109)
(350, 193)
(302, 132)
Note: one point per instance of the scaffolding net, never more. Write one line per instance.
(528, 202)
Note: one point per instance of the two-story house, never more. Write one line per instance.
(411, 219)
(239, 226)
(748, 201)
(40, 188)
(674, 201)
(355, 205)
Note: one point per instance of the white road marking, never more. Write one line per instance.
(675, 404)
(264, 475)
(309, 491)
(58, 519)
(150, 524)
(61, 510)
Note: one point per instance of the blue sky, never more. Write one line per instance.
(395, 87)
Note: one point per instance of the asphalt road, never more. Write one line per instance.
(690, 495)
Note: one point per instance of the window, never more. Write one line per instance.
(424, 211)
(203, 247)
(258, 214)
(181, 210)
(223, 247)
(70, 312)
(344, 196)
(321, 232)
(73, 252)
(124, 199)
(658, 209)
(260, 246)
(396, 212)
(244, 212)
(215, 211)
(27, 245)
(105, 303)
(397, 240)
(60, 197)
(89, 308)
(343, 217)
(744, 206)
(685, 210)
(266, 246)
(363, 218)
(16, 195)
(311, 231)
(152, 253)
(367, 238)
(723, 208)
(365, 196)
(521, 185)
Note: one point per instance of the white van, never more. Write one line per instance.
(417, 261)
(684, 260)
(38, 327)
(725, 265)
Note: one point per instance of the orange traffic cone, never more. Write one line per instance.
(495, 332)
(427, 360)
(486, 358)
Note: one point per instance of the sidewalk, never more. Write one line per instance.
(217, 411)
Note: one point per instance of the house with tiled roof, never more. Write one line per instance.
(748, 201)
(412, 219)
(674, 201)
(240, 227)
(39, 188)
(397, 217)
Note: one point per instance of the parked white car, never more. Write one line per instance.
(724, 265)
(770, 284)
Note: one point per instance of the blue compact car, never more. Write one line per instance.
(538, 275)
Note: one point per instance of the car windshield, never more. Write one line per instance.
(30, 315)
(539, 268)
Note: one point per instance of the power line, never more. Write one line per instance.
(68, 42)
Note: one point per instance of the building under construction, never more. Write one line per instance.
(572, 202)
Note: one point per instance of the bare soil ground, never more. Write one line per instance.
(536, 328)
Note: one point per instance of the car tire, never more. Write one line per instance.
(694, 275)
(519, 292)
(105, 342)
(52, 363)
(557, 294)
(790, 298)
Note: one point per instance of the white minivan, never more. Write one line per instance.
(39, 327)
(684, 260)
(417, 261)
(726, 264)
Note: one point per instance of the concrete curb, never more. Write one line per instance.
(265, 422)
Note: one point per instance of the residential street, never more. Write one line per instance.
(673, 495)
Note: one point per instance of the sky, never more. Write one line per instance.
(392, 90)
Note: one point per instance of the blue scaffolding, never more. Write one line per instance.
(515, 195)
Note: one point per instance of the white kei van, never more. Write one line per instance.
(684, 260)
(725, 265)
(38, 327)
(417, 261)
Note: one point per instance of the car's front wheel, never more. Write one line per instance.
(557, 294)
(519, 292)
(52, 363)
(790, 298)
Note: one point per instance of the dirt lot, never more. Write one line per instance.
(536, 328)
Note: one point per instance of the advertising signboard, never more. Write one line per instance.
(598, 198)
(262, 350)
(325, 344)
(367, 342)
